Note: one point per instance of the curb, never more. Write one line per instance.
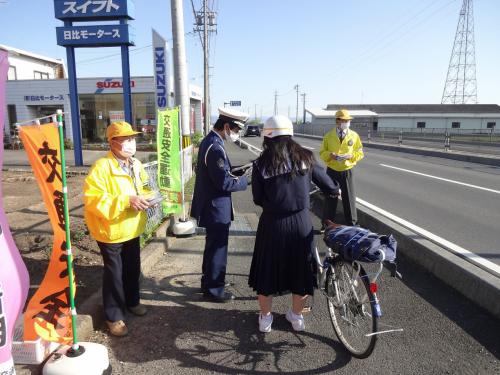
(91, 308)
(471, 281)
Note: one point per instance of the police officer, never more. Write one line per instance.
(212, 205)
(341, 150)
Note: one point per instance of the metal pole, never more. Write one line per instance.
(127, 92)
(180, 70)
(206, 68)
(297, 107)
(304, 108)
(69, 258)
(400, 139)
(73, 98)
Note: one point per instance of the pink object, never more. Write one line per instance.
(14, 278)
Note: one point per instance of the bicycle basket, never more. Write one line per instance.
(354, 243)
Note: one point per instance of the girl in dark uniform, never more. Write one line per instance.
(283, 255)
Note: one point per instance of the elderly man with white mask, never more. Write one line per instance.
(341, 150)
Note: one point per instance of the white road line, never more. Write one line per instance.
(442, 179)
(450, 246)
(454, 248)
(309, 148)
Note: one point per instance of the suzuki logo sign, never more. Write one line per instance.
(110, 84)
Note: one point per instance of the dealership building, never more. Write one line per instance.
(100, 101)
(37, 86)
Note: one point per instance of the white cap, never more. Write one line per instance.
(236, 117)
(276, 126)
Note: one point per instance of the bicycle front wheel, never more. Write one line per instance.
(351, 313)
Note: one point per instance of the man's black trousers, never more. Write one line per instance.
(120, 281)
(346, 182)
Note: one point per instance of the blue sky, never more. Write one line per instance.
(359, 51)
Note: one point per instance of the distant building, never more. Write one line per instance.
(417, 116)
(27, 65)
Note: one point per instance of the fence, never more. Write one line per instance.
(155, 214)
(485, 141)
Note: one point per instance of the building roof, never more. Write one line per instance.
(30, 54)
(419, 108)
(325, 113)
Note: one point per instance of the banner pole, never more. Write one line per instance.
(75, 347)
(182, 165)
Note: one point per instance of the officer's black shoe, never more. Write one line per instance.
(226, 297)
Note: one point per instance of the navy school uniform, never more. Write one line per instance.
(283, 255)
(212, 207)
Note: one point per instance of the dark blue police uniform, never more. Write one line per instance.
(212, 207)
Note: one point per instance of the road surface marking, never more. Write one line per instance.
(442, 179)
(309, 148)
(454, 248)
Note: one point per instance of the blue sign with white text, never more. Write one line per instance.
(95, 36)
(88, 10)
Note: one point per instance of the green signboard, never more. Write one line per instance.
(169, 159)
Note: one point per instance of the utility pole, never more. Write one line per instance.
(205, 21)
(304, 107)
(180, 69)
(275, 103)
(255, 112)
(297, 107)
(206, 99)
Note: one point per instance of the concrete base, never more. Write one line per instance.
(184, 228)
(92, 361)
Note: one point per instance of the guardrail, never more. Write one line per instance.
(253, 149)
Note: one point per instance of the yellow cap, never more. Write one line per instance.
(119, 129)
(343, 114)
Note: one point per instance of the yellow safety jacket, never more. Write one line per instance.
(350, 145)
(106, 192)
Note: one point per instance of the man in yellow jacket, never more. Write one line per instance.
(115, 203)
(341, 150)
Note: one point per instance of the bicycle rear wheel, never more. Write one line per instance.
(352, 316)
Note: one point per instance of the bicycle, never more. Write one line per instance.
(352, 300)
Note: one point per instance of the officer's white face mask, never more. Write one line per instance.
(232, 135)
(129, 147)
(345, 125)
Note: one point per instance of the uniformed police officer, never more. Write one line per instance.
(212, 205)
(341, 150)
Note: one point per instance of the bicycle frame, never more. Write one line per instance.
(328, 262)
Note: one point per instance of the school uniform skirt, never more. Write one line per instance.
(283, 259)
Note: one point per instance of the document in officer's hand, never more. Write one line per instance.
(241, 170)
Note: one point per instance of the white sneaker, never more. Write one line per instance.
(265, 323)
(296, 320)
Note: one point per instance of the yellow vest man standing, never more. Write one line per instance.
(341, 150)
(115, 213)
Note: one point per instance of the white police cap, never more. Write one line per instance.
(236, 117)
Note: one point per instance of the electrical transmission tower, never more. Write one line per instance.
(461, 84)
(205, 23)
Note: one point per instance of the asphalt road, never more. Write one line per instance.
(443, 333)
(433, 199)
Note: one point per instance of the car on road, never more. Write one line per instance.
(252, 130)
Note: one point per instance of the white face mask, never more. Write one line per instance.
(345, 125)
(232, 136)
(129, 147)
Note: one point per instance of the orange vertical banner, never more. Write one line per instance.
(48, 313)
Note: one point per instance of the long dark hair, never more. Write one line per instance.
(282, 154)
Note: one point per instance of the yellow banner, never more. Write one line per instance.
(48, 313)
